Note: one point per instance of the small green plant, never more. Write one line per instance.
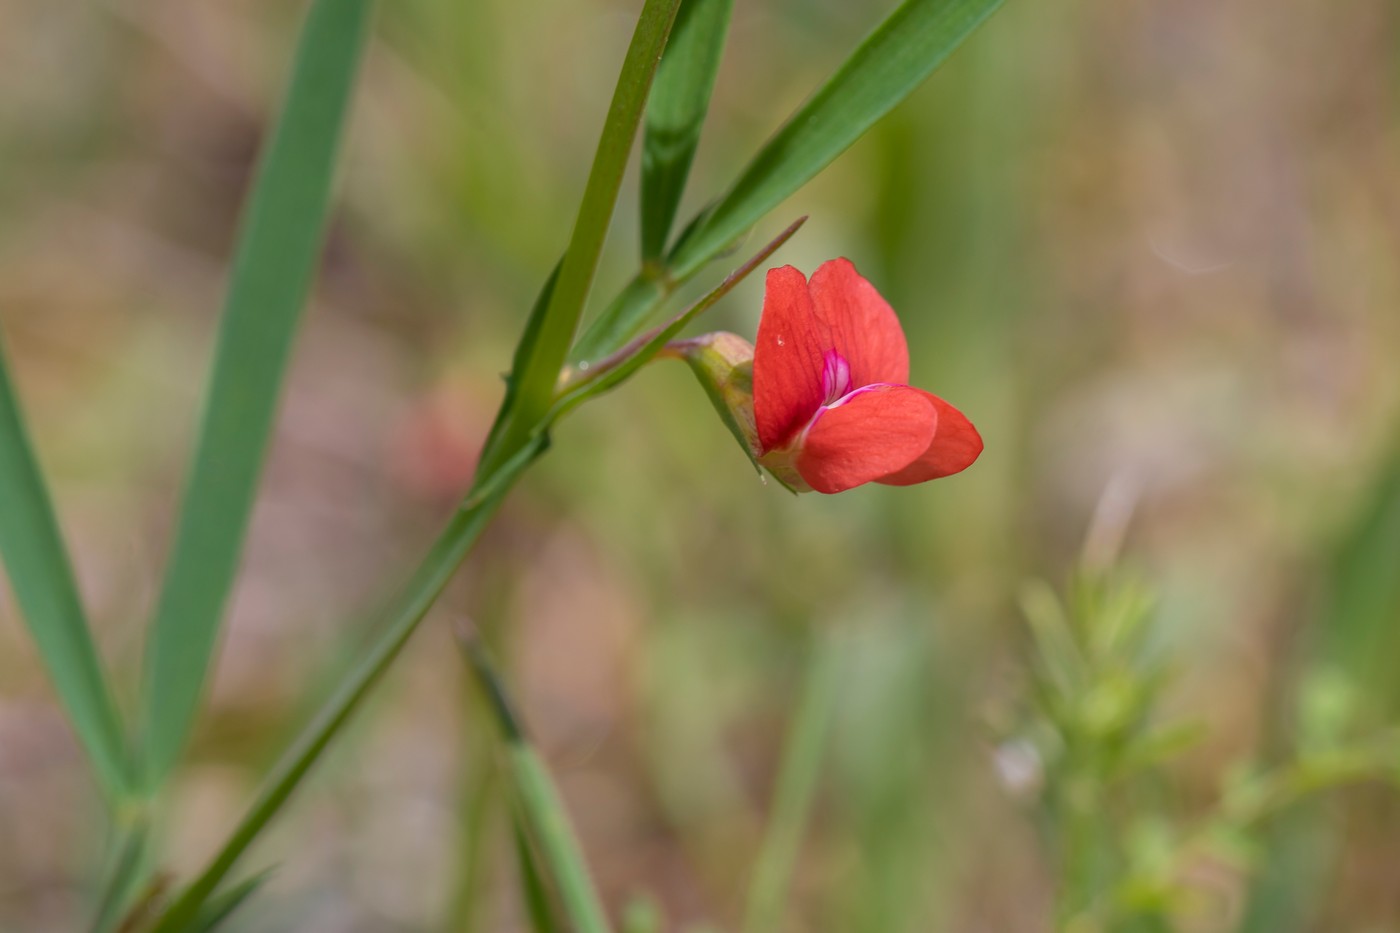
(1095, 753)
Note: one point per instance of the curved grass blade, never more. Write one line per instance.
(533, 382)
(44, 588)
(676, 111)
(402, 621)
(272, 273)
(545, 818)
(894, 60)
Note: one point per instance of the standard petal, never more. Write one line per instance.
(861, 326)
(871, 433)
(955, 445)
(788, 359)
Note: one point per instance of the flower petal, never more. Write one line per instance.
(869, 434)
(955, 445)
(788, 359)
(861, 325)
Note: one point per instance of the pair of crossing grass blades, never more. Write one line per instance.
(663, 89)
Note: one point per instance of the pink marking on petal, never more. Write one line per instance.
(836, 376)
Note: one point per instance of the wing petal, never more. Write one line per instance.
(954, 447)
(872, 433)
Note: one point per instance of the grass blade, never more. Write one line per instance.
(272, 273)
(792, 801)
(533, 382)
(903, 51)
(894, 60)
(542, 811)
(675, 113)
(428, 581)
(44, 588)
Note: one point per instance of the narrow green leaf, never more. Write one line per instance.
(915, 39)
(885, 69)
(533, 890)
(543, 812)
(559, 847)
(272, 273)
(533, 382)
(797, 783)
(42, 580)
(675, 113)
(402, 621)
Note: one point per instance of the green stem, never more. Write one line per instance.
(431, 577)
(535, 382)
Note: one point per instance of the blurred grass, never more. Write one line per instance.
(1128, 240)
(271, 277)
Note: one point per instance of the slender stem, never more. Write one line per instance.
(797, 782)
(535, 383)
(431, 577)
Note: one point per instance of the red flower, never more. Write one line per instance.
(831, 398)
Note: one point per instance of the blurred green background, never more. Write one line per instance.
(1149, 248)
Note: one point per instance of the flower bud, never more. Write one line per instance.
(723, 362)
